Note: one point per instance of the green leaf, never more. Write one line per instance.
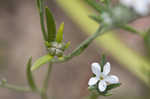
(47, 44)
(106, 92)
(129, 29)
(38, 4)
(29, 75)
(112, 86)
(59, 37)
(51, 26)
(107, 2)
(41, 61)
(67, 45)
(147, 41)
(96, 18)
(97, 6)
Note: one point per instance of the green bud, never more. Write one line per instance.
(47, 44)
(59, 53)
(52, 51)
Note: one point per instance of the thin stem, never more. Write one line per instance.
(82, 46)
(45, 84)
(16, 88)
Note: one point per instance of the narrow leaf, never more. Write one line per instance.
(107, 2)
(96, 18)
(29, 75)
(51, 26)
(41, 61)
(130, 29)
(59, 36)
(67, 45)
(40, 6)
(147, 41)
(97, 6)
(112, 86)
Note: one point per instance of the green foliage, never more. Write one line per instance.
(67, 45)
(96, 18)
(59, 37)
(130, 29)
(97, 6)
(40, 6)
(147, 40)
(41, 61)
(51, 26)
(94, 89)
(107, 2)
(48, 44)
(29, 75)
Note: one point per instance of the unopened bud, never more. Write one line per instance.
(59, 53)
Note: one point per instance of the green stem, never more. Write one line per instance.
(16, 88)
(83, 45)
(45, 84)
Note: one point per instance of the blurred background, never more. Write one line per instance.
(21, 37)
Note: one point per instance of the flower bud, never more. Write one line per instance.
(59, 53)
(56, 49)
(52, 51)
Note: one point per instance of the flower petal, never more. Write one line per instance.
(106, 68)
(96, 69)
(92, 81)
(102, 86)
(112, 79)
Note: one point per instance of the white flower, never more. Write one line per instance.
(103, 77)
(142, 7)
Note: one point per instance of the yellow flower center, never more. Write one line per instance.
(101, 78)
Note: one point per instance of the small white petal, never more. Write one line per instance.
(92, 81)
(112, 79)
(106, 68)
(102, 86)
(96, 69)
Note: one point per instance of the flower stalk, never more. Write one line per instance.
(46, 82)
